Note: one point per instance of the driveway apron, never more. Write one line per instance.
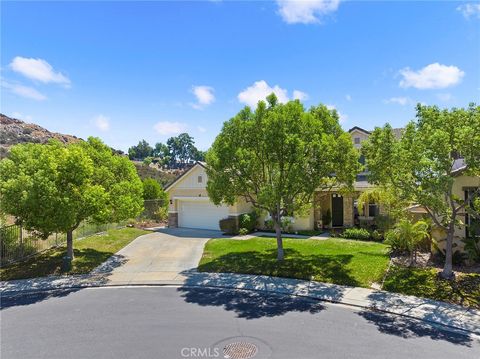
(167, 254)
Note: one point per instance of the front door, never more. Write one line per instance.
(337, 210)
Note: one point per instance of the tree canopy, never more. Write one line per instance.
(152, 189)
(276, 157)
(177, 152)
(422, 165)
(53, 188)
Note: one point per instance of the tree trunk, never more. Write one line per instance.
(447, 272)
(70, 244)
(278, 232)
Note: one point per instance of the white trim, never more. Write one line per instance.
(183, 176)
(191, 198)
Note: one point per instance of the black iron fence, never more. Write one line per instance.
(16, 243)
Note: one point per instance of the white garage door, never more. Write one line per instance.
(200, 214)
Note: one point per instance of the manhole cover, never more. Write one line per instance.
(239, 350)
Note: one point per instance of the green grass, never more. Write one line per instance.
(339, 261)
(465, 290)
(89, 253)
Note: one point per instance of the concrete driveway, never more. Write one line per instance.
(167, 254)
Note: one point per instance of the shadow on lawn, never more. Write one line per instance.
(325, 268)
(30, 291)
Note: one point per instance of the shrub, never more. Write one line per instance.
(268, 224)
(384, 223)
(228, 225)
(286, 224)
(356, 233)
(472, 248)
(326, 217)
(243, 231)
(376, 235)
(408, 237)
(248, 221)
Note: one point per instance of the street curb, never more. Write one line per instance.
(179, 284)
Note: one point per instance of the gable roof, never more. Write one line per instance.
(358, 129)
(198, 163)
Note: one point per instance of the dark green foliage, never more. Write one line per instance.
(326, 217)
(152, 189)
(248, 221)
(356, 233)
(472, 248)
(140, 151)
(228, 225)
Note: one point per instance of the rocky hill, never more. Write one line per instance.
(13, 131)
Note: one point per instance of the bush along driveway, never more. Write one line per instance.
(89, 252)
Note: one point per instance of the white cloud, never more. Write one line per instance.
(38, 69)
(201, 129)
(24, 91)
(348, 97)
(398, 100)
(102, 122)
(305, 11)
(433, 76)
(259, 91)
(300, 95)
(342, 118)
(170, 128)
(204, 95)
(470, 10)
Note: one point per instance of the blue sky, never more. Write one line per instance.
(124, 71)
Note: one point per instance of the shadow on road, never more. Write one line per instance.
(411, 328)
(250, 304)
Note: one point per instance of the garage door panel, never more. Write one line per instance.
(200, 214)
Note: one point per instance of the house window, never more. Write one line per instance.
(361, 159)
(200, 179)
(373, 210)
(356, 140)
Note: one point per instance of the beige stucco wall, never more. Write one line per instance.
(358, 134)
(458, 190)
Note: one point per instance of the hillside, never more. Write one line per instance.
(13, 131)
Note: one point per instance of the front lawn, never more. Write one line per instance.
(89, 253)
(335, 260)
(424, 282)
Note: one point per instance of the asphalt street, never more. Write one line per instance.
(171, 322)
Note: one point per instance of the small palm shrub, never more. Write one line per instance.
(407, 237)
(356, 233)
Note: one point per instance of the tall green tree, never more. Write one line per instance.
(276, 157)
(152, 189)
(182, 149)
(140, 151)
(53, 188)
(422, 165)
